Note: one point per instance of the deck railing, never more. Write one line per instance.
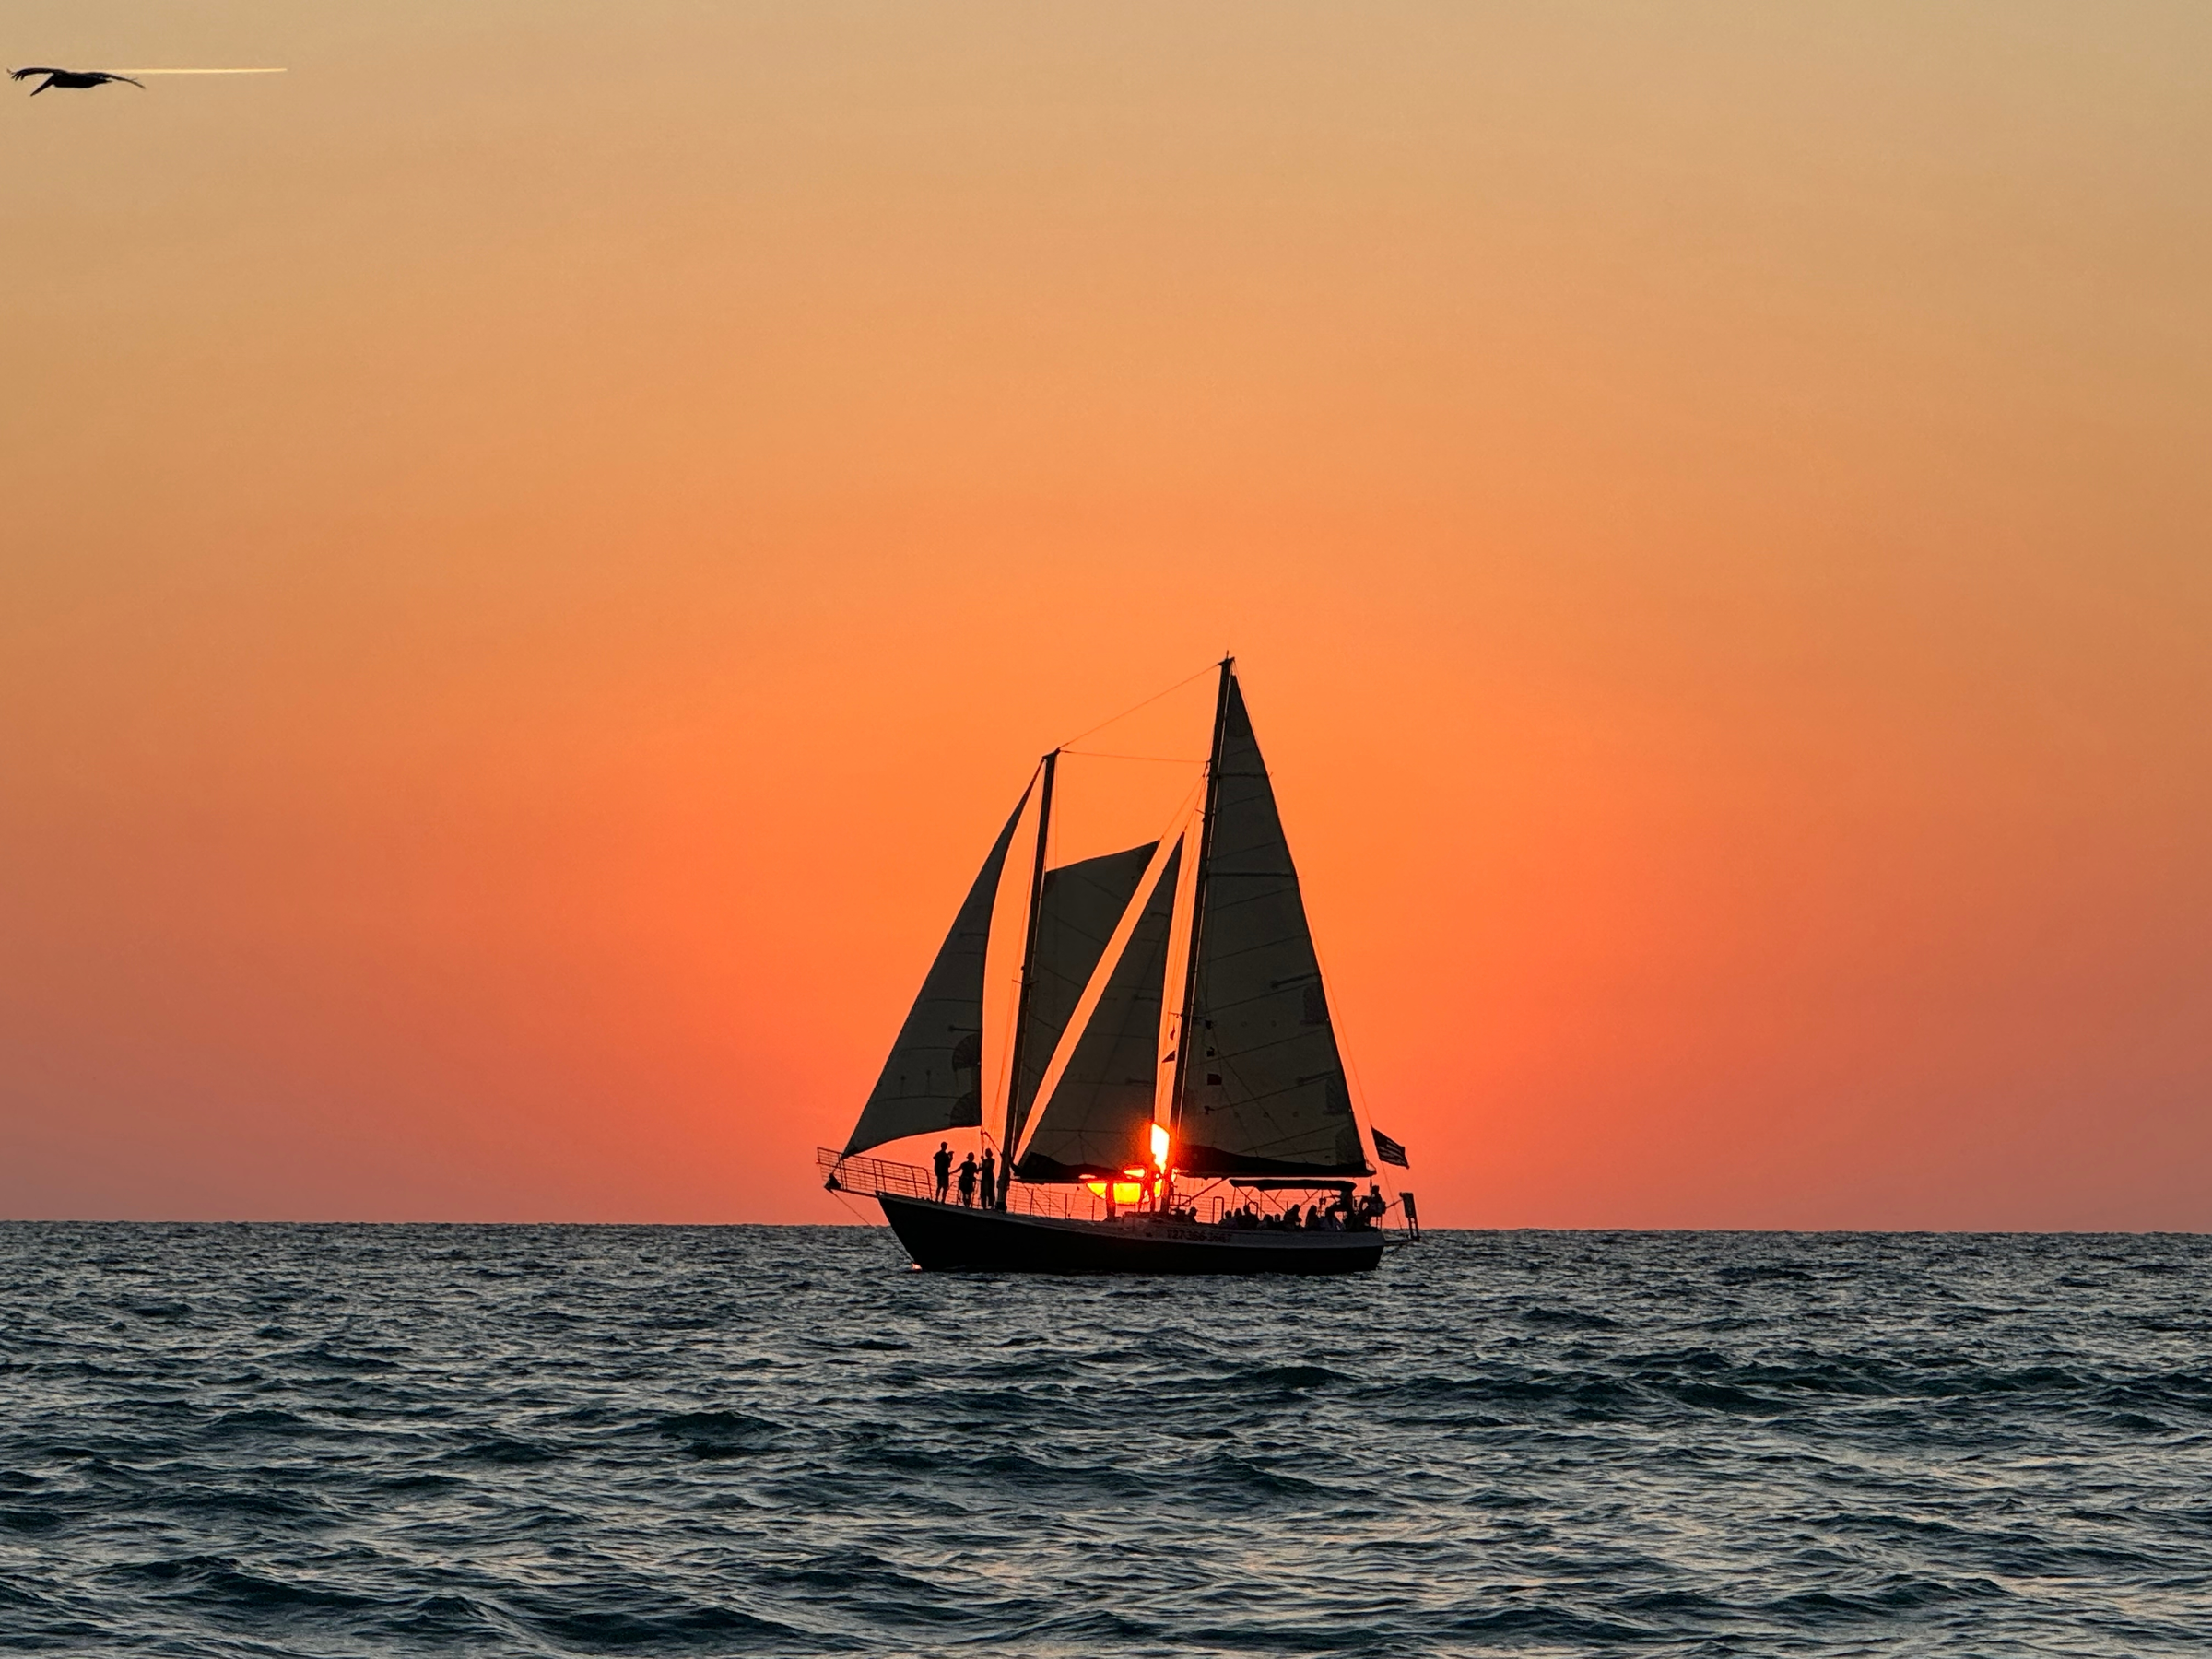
(868, 1176)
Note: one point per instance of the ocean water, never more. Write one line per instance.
(265, 1440)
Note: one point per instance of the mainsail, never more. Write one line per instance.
(1081, 906)
(933, 1079)
(1263, 1090)
(1096, 1120)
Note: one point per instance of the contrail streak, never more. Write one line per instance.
(202, 72)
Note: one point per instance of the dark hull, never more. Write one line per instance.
(946, 1236)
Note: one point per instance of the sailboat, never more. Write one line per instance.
(1175, 1100)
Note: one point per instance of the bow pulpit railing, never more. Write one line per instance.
(866, 1177)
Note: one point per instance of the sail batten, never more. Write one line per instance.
(932, 1079)
(1262, 1088)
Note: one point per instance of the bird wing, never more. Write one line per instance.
(26, 74)
(126, 80)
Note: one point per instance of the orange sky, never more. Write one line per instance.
(540, 546)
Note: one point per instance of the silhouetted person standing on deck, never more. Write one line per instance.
(968, 1179)
(941, 1163)
(990, 1179)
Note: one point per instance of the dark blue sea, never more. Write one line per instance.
(266, 1441)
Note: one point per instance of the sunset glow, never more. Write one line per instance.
(525, 604)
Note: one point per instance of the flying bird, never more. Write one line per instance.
(77, 80)
(71, 80)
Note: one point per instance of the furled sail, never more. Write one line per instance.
(1264, 1090)
(1098, 1115)
(1082, 905)
(933, 1078)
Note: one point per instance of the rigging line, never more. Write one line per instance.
(1133, 708)
(1163, 760)
(863, 1220)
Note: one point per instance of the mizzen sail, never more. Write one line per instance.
(933, 1079)
(1099, 1113)
(1263, 1090)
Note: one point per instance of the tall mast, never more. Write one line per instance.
(1029, 952)
(1192, 1030)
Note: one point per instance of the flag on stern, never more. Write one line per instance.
(1389, 1150)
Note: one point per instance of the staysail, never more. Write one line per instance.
(1081, 906)
(932, 1078)
(1263, 1090)
(1097, 1119)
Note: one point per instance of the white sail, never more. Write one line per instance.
(933, 1079)
(1263, 1085)
(1082, 905)
(1099, 1114)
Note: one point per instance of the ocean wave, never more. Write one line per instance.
(719, 1433)
(232, 1442)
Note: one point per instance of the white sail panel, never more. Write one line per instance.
(1099, 1113)
(1264, 1090)
(1082, 905)
(933, 1079)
